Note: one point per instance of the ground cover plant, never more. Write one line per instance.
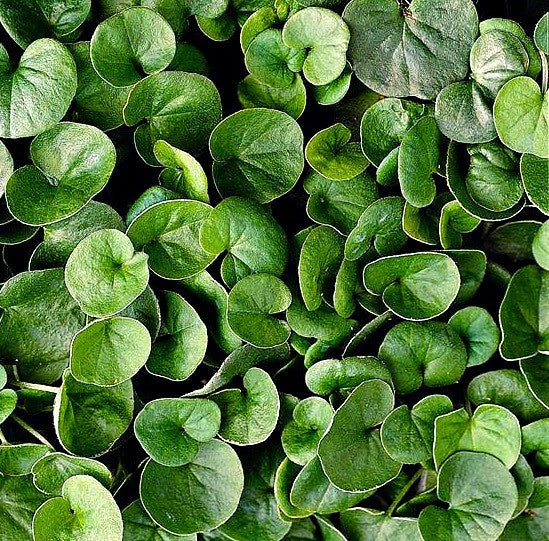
(274, 270)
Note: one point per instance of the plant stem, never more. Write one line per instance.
(3, 439)
(403, 491)
(467, 405)
(37, 387)
(31, 430)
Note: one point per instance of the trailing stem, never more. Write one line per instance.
(403, 491)
(31, 430)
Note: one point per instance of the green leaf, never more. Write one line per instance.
(408, 434)
(39, 319)
(96, 102)
(436, 34)
(491, 429)
(35, 95)
(423, 353)
(109, 351)
(168, 233)
(351, 452)
(464, 114)
(6, 167)
(140, 39)
(335, 91)
(535, 172)
(249, 417)
(18, 459)
(479, 332)
(51, 471)
(86, 510)
(523, 314)
(161, 100)
(418, 159)
(524, 479)
(286, 475)
(251, 305)
(252, 93)
(301, 435)
(138, 526)
(541, 34)
(8, 401)
(313, 491)
(28, 20)
(182, 341)
(455, 220)
(414, 286)
(324, 36)
(482, 496)
(384, 125)
(360, 524)
(497, 57)
(540, 246)
(472, 268)
(330, 375)
(507, 388)
(255, 242)
(423, 224)
(319, 260)
(258, 153)
(72, 163)
(380, 226)
(104, 273)
(520, 114)
(484, 176)
(208, 487)
(89, 419)
(535, 439)
(172, 429)
(61, 238)
(18, 502)
(536, 372)
(184, 174)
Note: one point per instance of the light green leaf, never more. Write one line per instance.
(535, 174)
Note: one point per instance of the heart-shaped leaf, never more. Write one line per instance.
(353, 439)
(437, 34)
(482, 497)
(140, 39)
(258, 153)
(104, 273)
(536, 372)
(72, 163)
(429, 353)
(171, 429)
(408, 434)
(168, 233)
(109, 351)
(455, 220)
(414, 286)
(36, 94)
(251, 305)
(85, 510)
(491, 429)
(249, 417)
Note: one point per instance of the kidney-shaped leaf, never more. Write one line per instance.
(104, 273)
(72, 163)
(482, 497)
(258, 153)
(208, 488)
(171, 429)
(385, 36)
(85, 511)
(414, 286)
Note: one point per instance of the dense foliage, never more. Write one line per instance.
(288, 286)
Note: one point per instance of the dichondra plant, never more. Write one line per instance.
(274, 270)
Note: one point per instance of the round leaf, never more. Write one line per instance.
(535, 172)
(208, 488)
(104, 273)
(141, 41)
(258, 153)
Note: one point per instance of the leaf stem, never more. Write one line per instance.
(37, 387)
(3, 439)
(403, 491)
(31, 430)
